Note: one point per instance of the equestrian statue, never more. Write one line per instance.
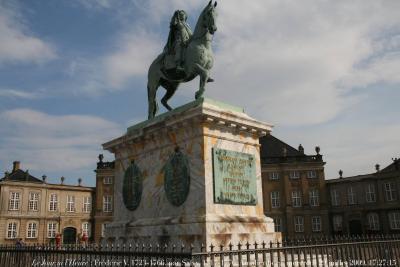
(186, 56)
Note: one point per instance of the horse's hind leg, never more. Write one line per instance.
(151, 94)
(171, 89)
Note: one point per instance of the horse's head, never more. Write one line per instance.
(209, 17)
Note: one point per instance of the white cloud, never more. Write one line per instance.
(18, 44)
(12, 93)
(61, 143)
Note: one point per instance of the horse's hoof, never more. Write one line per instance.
(210, 80)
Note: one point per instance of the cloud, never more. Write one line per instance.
(61, 143)
(12, 93)
(18, 44)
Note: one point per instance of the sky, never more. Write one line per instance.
(73, 75)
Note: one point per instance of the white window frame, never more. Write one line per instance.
(32, 229)
(394, 220)
(107, 203)
(294, 174)
(278, 224)
(51, 229)
(107, 180)
(70, 203)
(87, 204)
(299, 224)
(12, 230)
(314, 197)
(351, 196)
(14, 200)
(316, 224)
(33, 203)
(296, 199)
(373, 221)
(53, 202)
(275, 199)
(390, 191)
(335, 198)
(273, 175)
(86, 228)
(370, 195)
(312, 174)
(337, 222)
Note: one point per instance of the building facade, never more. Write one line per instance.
(36, 211)
(366, 204)
(104, 199)
(294, 189)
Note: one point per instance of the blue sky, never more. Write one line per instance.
(73, 76)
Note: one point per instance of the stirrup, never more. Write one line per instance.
(210, 80)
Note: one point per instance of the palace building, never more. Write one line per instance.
(366, 204)
(36, 211)
(294, 189)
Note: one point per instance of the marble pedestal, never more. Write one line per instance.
(195, 129)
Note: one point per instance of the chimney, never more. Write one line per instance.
(44, 178)
(62, 179)
(301, 149)
(79, 181)
(377, 167)
(16, 166)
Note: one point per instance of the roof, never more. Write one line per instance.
(273, 147)
(21, 176)
(272, 152)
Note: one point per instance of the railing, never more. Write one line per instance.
(343, 251)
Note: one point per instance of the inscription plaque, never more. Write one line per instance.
(234, 177)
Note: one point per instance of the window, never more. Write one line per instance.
(273, 175)
(14, 200)
(70, 203)
(373, 221)
(87, 204)
(51, 229)
(296, 198)
(33, 201)
(351, 196)
(107, 204)
(12, 230)
(32, 230)
(53, 204)
(370, 193)
(337, 223)
(394, 219)
(390, 191)
(335, 197)
(278, 224)
(298, 224)
(294, 175)
(86, 229)
(275, 199)
(107, 180)
(314, 197)
(311, 174)
(316, 223)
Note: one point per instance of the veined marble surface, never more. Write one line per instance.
(195, 128)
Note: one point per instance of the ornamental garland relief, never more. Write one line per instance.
(132, 187)
(177, 178)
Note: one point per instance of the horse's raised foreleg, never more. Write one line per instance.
(203, 72)
(171, 89)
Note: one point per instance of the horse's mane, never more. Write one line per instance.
(200, 19)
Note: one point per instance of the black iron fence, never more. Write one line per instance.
(331, 252)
